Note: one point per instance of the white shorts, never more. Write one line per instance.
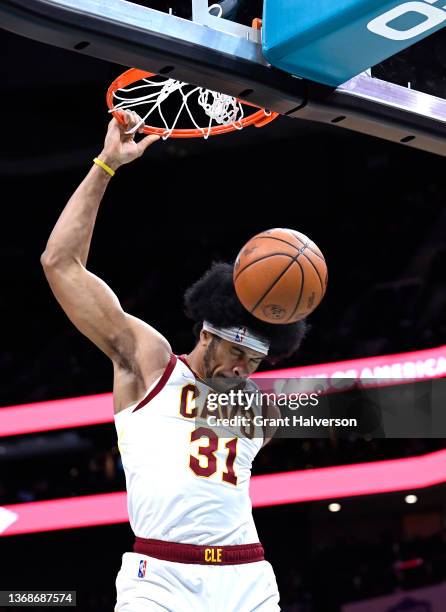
(185, 587)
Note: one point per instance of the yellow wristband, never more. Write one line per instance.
(104, 166)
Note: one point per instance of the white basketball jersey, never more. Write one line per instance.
(184, 483)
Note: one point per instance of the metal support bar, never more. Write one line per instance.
(384, 110)
(133, 35)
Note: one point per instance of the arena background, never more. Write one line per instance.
(375, 209)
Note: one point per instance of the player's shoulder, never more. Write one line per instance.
(131, 397)
(147, 333)
(141, 348)
(142, 356)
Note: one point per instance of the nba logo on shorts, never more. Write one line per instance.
(142, 569)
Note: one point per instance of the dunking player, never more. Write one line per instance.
(196, 547)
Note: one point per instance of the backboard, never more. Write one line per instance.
(206, 48)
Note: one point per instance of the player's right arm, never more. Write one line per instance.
(133, 346)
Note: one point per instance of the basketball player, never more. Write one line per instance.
(196, 547)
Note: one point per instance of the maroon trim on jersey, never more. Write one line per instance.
(160, 384)
(202, 555)
(184, 360)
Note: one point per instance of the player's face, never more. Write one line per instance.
(227, 359)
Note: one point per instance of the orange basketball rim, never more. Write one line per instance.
(219, 109)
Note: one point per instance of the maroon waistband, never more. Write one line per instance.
(204, 555)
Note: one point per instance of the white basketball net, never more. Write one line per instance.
(220, 108)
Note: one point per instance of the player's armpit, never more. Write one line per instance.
(95, 310)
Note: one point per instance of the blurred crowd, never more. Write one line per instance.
(351, 569)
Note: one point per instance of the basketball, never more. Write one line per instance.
(280, 276)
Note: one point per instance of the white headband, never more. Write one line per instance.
(239, 335)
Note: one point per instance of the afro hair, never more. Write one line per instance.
(213, 298)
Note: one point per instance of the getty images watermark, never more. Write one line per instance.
(318, 407)
(252, 412)
(249, 401)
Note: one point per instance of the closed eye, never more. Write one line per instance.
(240, 353)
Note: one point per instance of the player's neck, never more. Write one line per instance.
(195, 361)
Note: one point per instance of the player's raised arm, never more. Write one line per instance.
(88, 302)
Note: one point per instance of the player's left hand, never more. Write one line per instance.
(120, 146)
